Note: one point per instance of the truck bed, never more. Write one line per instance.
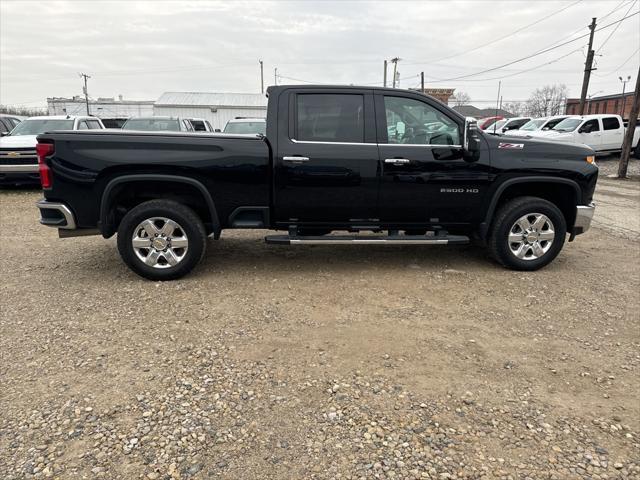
(235, 169)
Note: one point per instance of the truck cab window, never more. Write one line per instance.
(330, 118)
(413, 122)
(83, 126)
(610, 123)
(590, 126)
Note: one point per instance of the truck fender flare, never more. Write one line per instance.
(106, 194)
(484, 226)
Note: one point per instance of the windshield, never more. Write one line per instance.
(567, 125)
(497, 126)
(533, 125)
(246, 127)
(41, 125)
(152, 124)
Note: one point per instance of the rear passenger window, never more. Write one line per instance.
(330, 118)
(94, 125)
(610, 123)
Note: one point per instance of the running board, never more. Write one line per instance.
(368, 240)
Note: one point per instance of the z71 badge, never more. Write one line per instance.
(515, 146)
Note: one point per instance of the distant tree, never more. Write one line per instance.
(548, 100)
(459, 99)
(22, 111)
(516, 108)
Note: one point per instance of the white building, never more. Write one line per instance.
(218, 108)
(102, 107)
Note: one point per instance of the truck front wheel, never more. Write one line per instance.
(527, 233)
(161, 239)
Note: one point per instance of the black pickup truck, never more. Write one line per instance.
(382, 166)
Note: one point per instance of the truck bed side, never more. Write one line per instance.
(234, 170)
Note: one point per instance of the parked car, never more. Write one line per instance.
(603, 133)
(486, 122)
(8, 123)
(114, 122)
(158, 124)
(18, 160)
(241, 125)
(538, 125)
(200, 125)
(506, 125)
(326, 163)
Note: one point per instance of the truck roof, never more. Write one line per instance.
(61, 117)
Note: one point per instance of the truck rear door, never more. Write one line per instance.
(326, 163)
(612, 133)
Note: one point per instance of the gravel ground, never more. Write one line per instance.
(608, 165)
(316, 362)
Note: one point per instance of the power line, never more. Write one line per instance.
(615, 29)
(620, 66)
(535, 54)
(503, 37)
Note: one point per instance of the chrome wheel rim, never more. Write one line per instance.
(160, 242)
(531, 236)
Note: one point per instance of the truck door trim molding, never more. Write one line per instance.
(104, 202)
(313, 142)
(484, 226)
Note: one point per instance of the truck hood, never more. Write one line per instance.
(18, 141)
(539, 147)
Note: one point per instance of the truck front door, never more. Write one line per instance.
(326, 164)
(425, 180)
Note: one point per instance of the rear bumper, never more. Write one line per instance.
(584, 215)
(58, 215)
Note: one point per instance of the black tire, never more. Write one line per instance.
(190, 226)
(505, 219)
(636, 152)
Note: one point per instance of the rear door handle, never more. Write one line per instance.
(295, 159)
(397, 161)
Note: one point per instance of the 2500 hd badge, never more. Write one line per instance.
(459, 190)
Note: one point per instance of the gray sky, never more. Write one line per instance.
(142, 48)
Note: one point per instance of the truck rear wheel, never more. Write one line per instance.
(527, 233)
(161, 239)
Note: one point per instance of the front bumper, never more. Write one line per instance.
(58, 215)
(19, 175)
(584, 215)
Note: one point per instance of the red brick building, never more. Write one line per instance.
(605, 104)
(441, 94)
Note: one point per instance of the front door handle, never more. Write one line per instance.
(295, 159)
(397, 161)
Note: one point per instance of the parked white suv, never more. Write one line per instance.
(18, 160)
(603, 133)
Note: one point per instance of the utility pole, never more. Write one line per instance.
(385, 74)
(422, 82)
(497, 101)
(588, 67)
(624, 99)
(84, 90)
(395, 61)
(275, 75)
(631, 129)
(261, 77)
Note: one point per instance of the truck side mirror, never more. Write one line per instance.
(471, 140)
(217, 130)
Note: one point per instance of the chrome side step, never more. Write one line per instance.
(368, 240)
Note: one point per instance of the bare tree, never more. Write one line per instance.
(22, 111)
(548, 100)
(516, 108)
(459, 99)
